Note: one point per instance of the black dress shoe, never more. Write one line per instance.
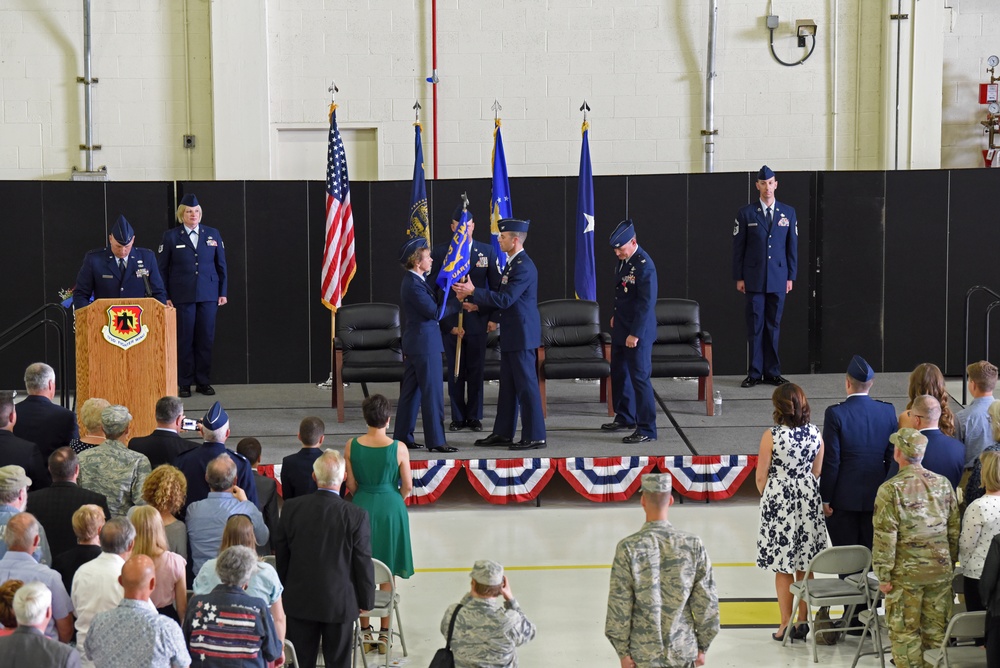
(616, 426)
(184, 391)
(527, 445)
(636, 437)
(775, 380)
(207, 390)
(750, 381)
(493, 439)
(456, 426)
(413, 446)
(474, 425)
(443, 448)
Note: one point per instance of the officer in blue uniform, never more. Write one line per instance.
(422, 385)
(118, 271)
(633, 331)
(857, 455)
(192, 259)
(520, 335)
(466, 391)
(765, 260)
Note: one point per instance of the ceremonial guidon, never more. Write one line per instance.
(633, 331)
(765, 261)
(192, 259)
(118, 271)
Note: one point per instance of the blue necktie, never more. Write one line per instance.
(768, 218)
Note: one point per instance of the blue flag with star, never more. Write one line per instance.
(584, 276)
(419, 224)
(500, 198)
(456, 262)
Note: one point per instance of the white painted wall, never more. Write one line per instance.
(639, 63)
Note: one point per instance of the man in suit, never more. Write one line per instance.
(322, 528)
(633, 331)
(193, 463)
(54, 506)
(421, 387)
(39, 420)
(267, 490)
(466, 391)
(944, 455)
(17, 451)
(165, 444)
(118, 271)
(296, 468)
(27, 645)
(520, 335)
(857, 456)
(765, 261)
(192, 259)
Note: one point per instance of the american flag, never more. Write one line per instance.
(339, 264)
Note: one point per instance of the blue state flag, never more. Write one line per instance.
(455, 265)
(584, 276)
(419, 223)
(500, 198)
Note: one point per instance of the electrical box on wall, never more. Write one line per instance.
(989, 93)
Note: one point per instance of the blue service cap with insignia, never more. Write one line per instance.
(765, 173)
(513, 225)
(859, 369)
(458, 213)
(122, 231)
(623, 234)
(215, 418)
(189, 200)
(409, 247)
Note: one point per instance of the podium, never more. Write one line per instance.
(126, 352)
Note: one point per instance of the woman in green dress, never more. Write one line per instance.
(378, 477)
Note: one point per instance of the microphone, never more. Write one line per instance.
(145, 279)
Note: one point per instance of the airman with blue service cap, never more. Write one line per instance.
(215, 418)
(409, 247)
(122, 231)
(860, 370)
(622, 234)
(194, 462)
(190, 200)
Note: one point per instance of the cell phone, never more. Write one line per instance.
(187, 424)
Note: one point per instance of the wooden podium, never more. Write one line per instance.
(126, 352)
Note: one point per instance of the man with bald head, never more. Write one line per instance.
(944, 455)
(134, 634)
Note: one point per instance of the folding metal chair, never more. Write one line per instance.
(963, 626)
(291, 658)
(386, 605)
(873, 622)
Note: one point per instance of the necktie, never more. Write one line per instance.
(768, 217)
(121, 266)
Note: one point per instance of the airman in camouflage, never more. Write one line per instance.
(916, 526)
(487, 634)
(663, 610)
(111, 468)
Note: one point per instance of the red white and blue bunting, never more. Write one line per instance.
(430, 478)
(708, 477)
(605, 478)
(503, 481)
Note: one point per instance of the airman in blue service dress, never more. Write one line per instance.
(633, 331)
(520, 335)
(765, 261)
(466, 391)
(118, 271)
(192, 259)
(194, 462)
(422, 386)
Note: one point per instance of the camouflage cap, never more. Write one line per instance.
(657, 482)
(13, 478)
(910, 442)
(487, 572)
(115, 419)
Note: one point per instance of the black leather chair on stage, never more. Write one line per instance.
(682, 349)
(573, 345)
(368, 349)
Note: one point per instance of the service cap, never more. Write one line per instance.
(409, 247)
(513, 225)
(657, 482)
(623, 234)
(910, 442)
(189, 200)
(122, 231)
(859, 369)
(13, 478)
(215, 418)
(487, 572)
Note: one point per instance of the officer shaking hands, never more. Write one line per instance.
(118, 271)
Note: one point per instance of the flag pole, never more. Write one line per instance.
(461, 313)
(333, 312)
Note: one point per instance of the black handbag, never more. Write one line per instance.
(443, 658)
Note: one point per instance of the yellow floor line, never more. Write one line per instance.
(570, 567)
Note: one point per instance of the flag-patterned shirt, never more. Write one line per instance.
(229, 628)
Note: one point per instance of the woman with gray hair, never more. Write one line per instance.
(208, 624)
(90, 417)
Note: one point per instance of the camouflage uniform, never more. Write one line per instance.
(486, 634)
(662, 606)
(916, 526)
(116, 472)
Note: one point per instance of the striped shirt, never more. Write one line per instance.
(229, 628)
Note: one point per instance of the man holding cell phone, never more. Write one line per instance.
(165, 444)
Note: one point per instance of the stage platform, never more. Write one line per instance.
(709, 456)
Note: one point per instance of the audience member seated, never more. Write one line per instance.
(21, 538)
(297, 468)
(945, 455)
(54, 506)
(215, 430)
(27, 645)
(165, 444)
(264, 583)
(95, 585)
(928, 379)
(205, 627)
(46, 424)
(170, 594)
(972, 423)
(165, 489)
(87, 523)
(133, 635)
(206, 519)
(90, 416)
(17, 451)
(111, 468)
(267, 489)
(7, 616)
(13, 499)
(979, 524)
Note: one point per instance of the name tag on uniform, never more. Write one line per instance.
(106, 276)
(751, 224)
(180, 246)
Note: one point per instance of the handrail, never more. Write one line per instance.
(986, 346)
(965, 331)
(61, 328)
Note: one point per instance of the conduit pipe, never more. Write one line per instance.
(88, 89)
(434, 81)
(709, 132)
